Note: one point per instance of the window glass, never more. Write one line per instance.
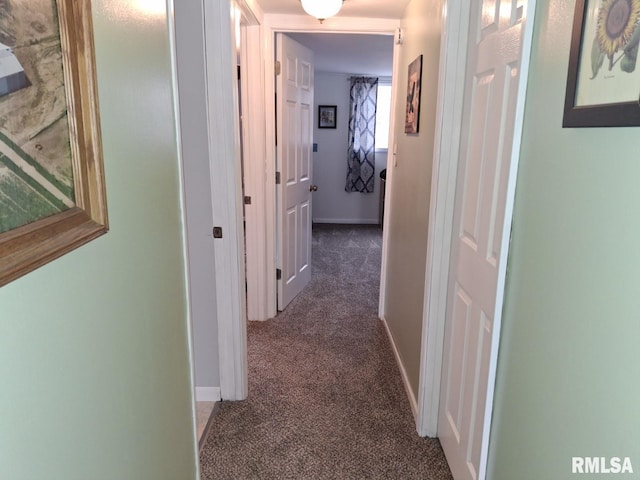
(383, 112)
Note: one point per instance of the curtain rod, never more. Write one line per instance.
(379, 77)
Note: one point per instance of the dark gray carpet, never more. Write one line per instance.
(326, 400)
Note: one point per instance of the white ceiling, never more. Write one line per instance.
(351, 54)
(351, 8)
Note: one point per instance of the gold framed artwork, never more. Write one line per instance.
(52, 193)
(603, 82)
(414, 89)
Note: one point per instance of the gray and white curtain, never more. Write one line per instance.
(362, 134)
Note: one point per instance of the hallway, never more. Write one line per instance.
(326, 399)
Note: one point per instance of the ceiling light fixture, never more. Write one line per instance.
(322, 9)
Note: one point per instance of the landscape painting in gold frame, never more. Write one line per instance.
(52, 193)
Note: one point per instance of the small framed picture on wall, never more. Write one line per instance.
(414, 87)
(327, 116)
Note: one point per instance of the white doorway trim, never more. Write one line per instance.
(450, 102)
(443, 186)
(254, 147)
(224, 159)
(224, 150)
(301, 23)
(257, 49)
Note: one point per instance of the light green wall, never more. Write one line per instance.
(411, 187)
(569, 366)
(93, 347)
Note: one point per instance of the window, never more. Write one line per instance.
(383, 113)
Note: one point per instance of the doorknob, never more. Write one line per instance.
(313, 188)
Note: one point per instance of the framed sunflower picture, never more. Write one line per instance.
(603, 84)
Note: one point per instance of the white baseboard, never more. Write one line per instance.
(350, 221)
(413, 399)
(208, 394)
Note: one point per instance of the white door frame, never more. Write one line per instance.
(273, 24)
(443, 187)
(224, 144)
(257, 265)
(448, 130)
(226, 191)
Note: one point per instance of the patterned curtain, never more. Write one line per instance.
(362, 129)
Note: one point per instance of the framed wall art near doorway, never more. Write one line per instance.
(414, 87)
(52, 195)
(603, 83)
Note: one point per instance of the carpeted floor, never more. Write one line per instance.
(326, 399)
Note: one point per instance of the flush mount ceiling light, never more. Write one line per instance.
(321, 9)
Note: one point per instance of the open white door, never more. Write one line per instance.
(480, 233)
(294, 107)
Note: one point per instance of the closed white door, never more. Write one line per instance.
(294, 106)
(478, 246)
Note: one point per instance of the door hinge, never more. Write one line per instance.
(217, 232)
(247, 200)
(399, 36)
(278, 67)
(277, 178)
(278, 274)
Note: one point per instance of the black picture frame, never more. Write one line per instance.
(588, 61)
(327, 116)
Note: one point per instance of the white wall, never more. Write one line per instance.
(199, 215)
(331, 204)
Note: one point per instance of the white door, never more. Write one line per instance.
(478, 248)
(294, 107)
